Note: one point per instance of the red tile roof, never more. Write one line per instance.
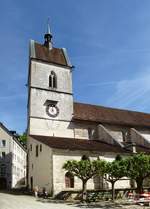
(55, 55)
(78, 144)
(142, 149)
(100, 114)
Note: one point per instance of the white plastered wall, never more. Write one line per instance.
(40, 168)
(19, 161)
(61, 156)
(15, 159)
(51, 128)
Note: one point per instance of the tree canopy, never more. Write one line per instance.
(23, 138)
(112, 172)
(138, 168)
(84, 170)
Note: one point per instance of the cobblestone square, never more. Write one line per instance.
(11, 201)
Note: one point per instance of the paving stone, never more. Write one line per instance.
(11, 201)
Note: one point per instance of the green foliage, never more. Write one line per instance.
(112, 172)
(100, 167)
(83, 169)
(115, 170)
(138, 168)
(23, 138)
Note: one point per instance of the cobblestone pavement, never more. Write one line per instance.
(9, 201)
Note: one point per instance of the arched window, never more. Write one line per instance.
(69, 180)
(53, 80)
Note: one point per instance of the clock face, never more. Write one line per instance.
(52, 110)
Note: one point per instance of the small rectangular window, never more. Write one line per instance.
(40, 147)
(3, 154)
(3, 143)
(90, 133)
(37, 151)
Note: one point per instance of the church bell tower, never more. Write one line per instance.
(50, 99)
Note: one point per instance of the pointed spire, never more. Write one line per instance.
(48, 37)
(48, 27)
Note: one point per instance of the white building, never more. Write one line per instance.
(12, 159)
(60, 129)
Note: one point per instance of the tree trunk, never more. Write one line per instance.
(113, 190)
(84, 192)
(139, 183)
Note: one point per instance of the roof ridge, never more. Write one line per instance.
(101, 114)
(110, 108)
(77, 144)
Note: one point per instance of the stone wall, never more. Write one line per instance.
(40, 93)
(40, 76)
(60, 157)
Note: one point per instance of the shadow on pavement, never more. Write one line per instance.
(18, 192)
(107, 205)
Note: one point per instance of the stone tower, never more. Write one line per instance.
(50, 100)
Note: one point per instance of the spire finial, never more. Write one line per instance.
(48, 36)
(48, 26)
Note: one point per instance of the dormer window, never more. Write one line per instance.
(53, 80)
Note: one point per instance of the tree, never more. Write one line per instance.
(23, 138)
(84, 170)
(112, 172)
(138, 169)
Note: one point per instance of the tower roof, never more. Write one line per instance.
(47, 53)
(55, 55)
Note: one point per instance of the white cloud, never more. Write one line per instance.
(102, 83)
(132, 93)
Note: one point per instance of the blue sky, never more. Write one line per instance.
(108, 42)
